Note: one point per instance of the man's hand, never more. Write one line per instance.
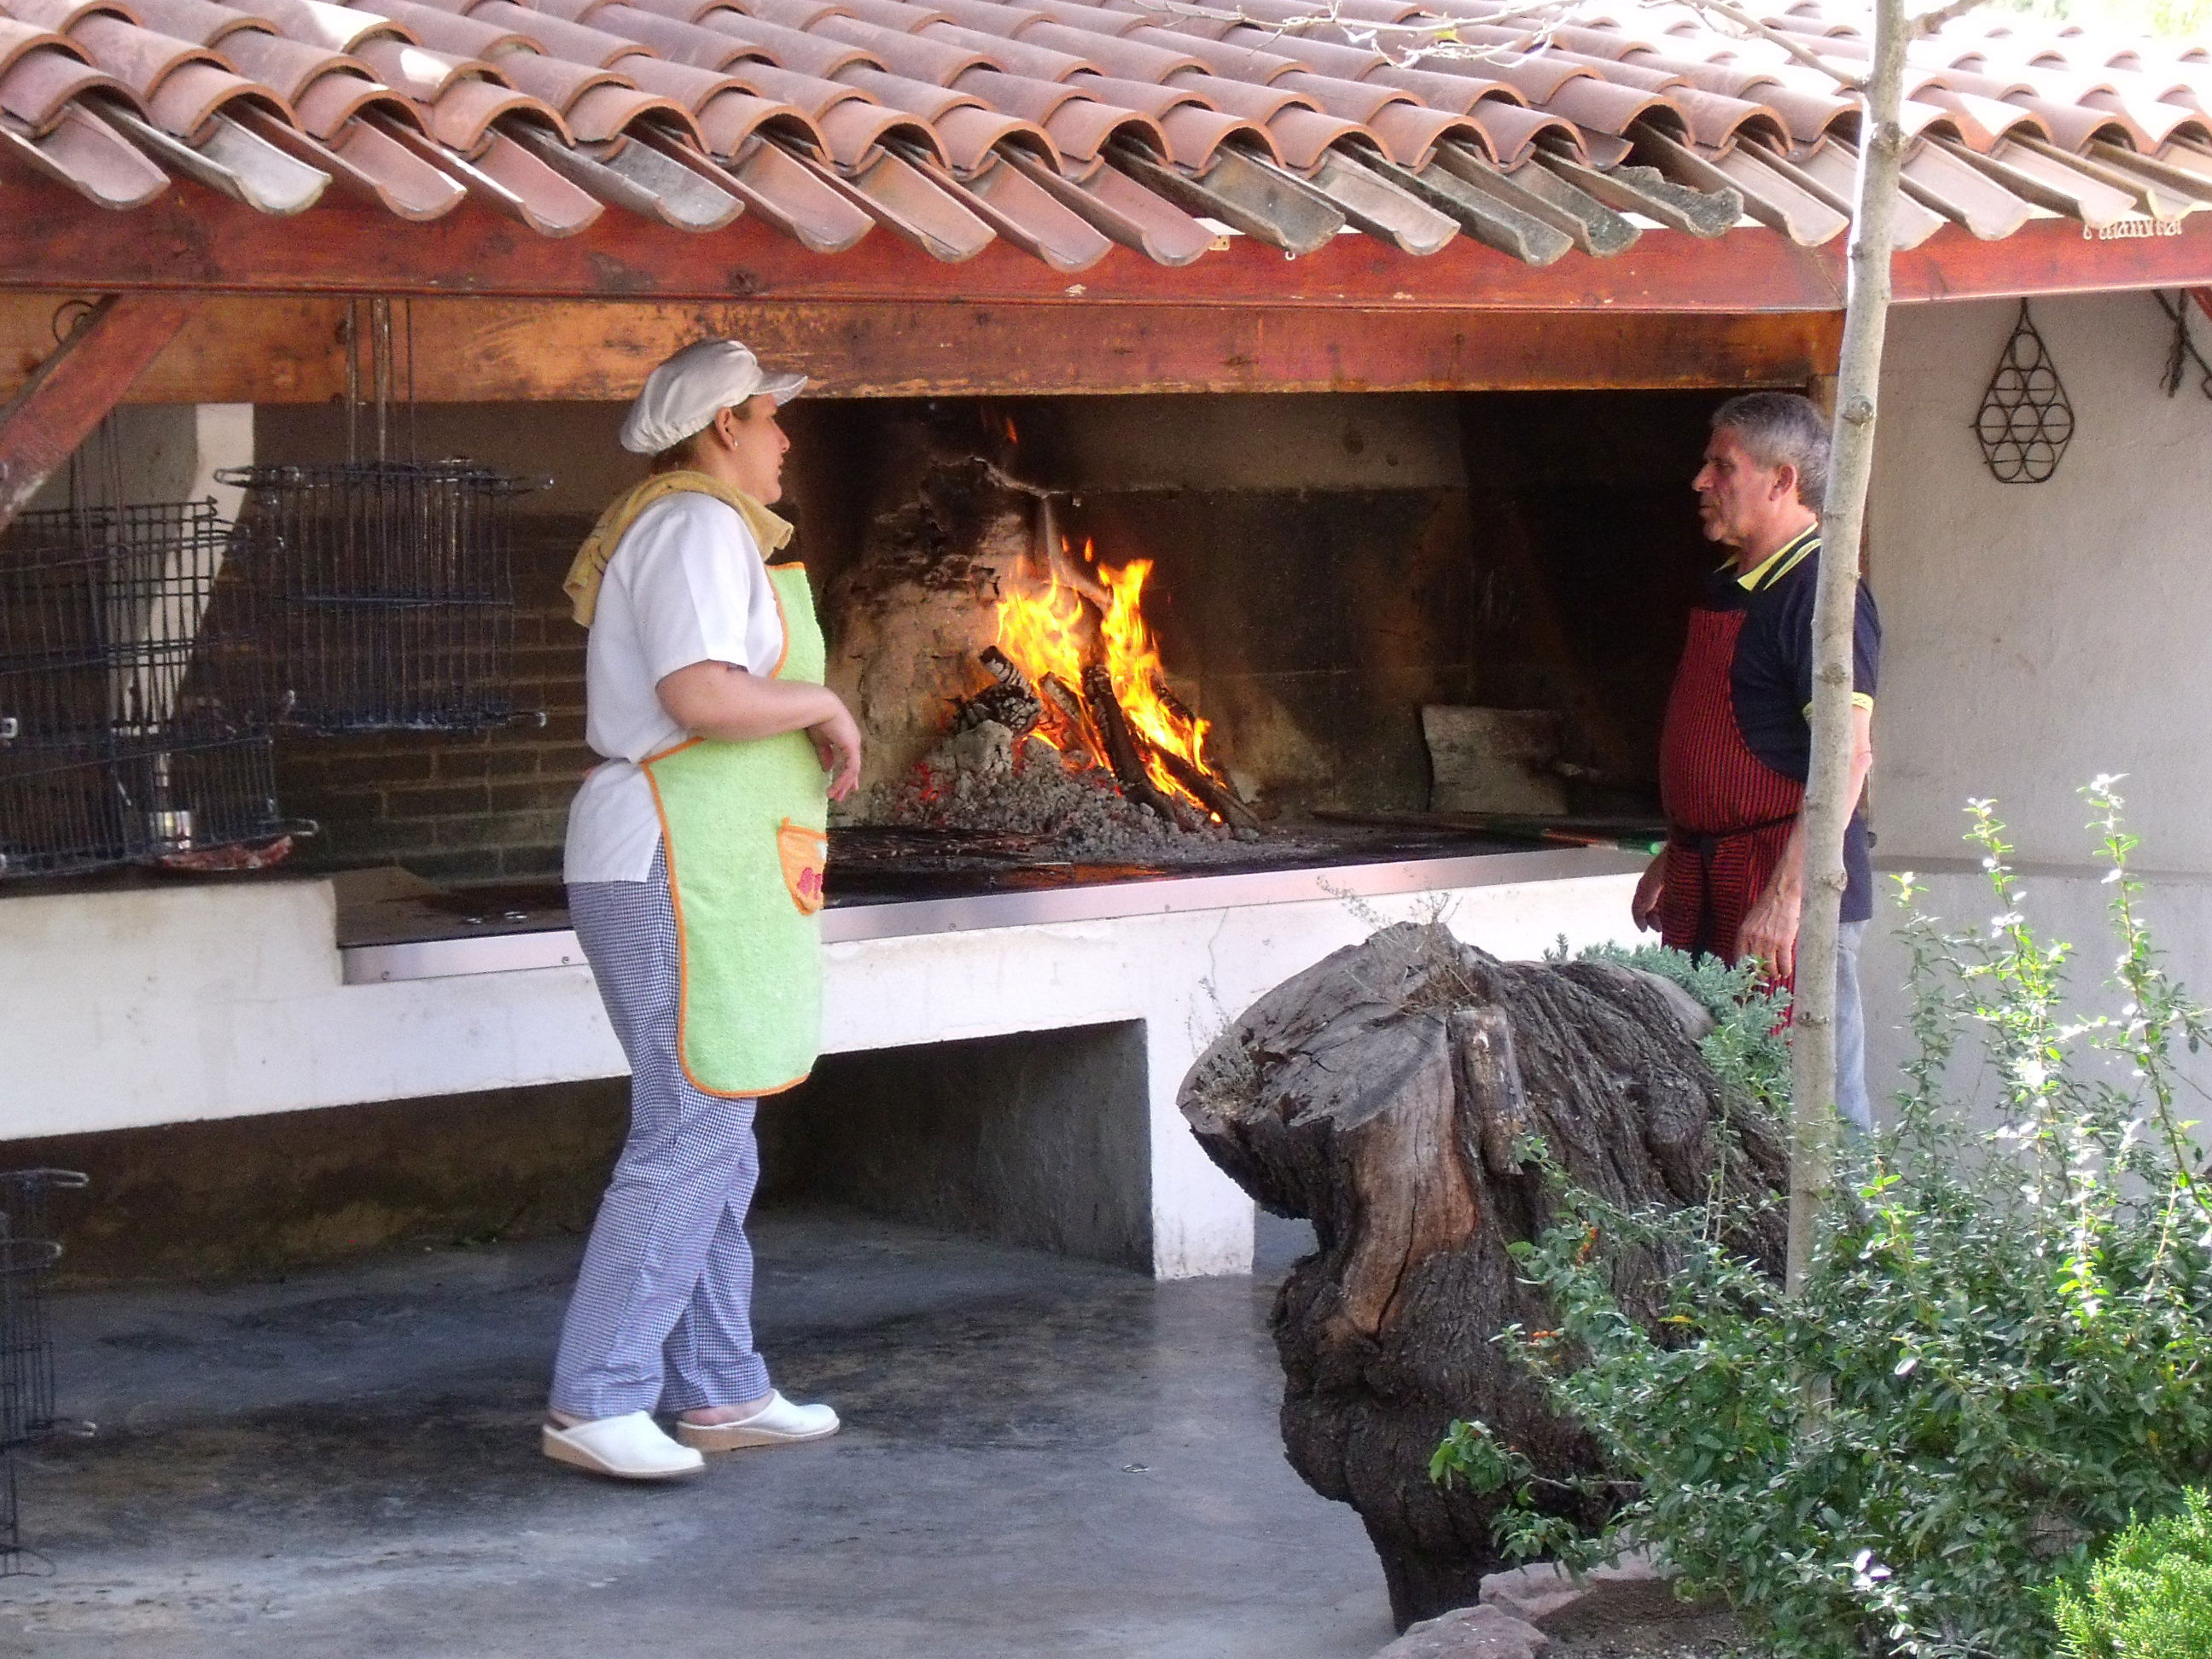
(1644, 909)
(838, 744)
(1769, 932)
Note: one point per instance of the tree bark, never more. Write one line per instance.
(1827, 808)
(1387, 1093)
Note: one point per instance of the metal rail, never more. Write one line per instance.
(373, 964)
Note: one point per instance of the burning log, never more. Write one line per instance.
(1220, 799)
(1009, 699)
(1066, 721)
(1384, 1093)
(1122, 754)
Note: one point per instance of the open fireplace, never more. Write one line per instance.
(1116, 639)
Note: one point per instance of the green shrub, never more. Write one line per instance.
(2149, 1595)
(2002, 1349)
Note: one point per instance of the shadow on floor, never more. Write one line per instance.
(1044, 1457)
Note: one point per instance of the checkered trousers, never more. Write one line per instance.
(662, 1313)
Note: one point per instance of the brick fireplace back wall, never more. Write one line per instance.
(463, 807)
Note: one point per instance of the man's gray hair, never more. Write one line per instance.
(1782, 429)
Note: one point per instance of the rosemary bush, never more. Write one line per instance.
(2149, 1595)
(1999, 1356)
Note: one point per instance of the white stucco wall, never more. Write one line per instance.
(2035, 636)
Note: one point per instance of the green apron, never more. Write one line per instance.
(744, 826)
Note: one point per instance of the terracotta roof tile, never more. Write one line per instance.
(1068, 128)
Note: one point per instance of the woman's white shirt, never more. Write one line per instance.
(685, 585)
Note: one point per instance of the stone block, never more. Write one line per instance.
(1530, 1593)
(1630, 1589)
(1476, 1632)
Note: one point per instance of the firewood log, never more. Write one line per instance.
(1122, 751)
(1220, 799)
(1009, 699)
(1386, 1093)
(1064, 700)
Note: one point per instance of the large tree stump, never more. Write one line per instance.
(1384, 1094)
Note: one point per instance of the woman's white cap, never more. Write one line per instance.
(684, 394)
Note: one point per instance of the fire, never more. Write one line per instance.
(1046, 633)
(1133, 662)
(1052, 631)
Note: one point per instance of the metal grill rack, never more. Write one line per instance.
(27, 1346)
(133, 709)
(387, 592)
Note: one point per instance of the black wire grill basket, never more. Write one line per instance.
(66, 810)
(385, 591)
(134, 705)
(27, 1250)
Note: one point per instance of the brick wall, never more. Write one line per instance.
(462, 806)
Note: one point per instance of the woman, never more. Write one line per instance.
(694, 865)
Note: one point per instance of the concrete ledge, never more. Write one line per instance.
(177, 1004)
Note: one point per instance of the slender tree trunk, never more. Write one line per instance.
(1828, 805)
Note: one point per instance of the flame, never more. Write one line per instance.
(1049, 629)
(1046, 631)
(1133, 662)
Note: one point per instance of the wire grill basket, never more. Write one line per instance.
(63, 811)
(386, 591)
(121, 622)
(27, 1345)
(133, 707)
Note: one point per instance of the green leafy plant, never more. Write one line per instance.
(2149, 1596)
(1746, 1048)
(2002, 1349)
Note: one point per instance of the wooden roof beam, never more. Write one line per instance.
(288, 351)
(71, 391)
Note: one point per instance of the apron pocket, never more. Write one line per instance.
(805, 852)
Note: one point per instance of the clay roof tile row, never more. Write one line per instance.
(1067, 127)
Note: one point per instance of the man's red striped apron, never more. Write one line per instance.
(1728, 812)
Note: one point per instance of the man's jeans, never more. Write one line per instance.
(1851, 1102)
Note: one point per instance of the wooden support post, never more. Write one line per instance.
(72, 390)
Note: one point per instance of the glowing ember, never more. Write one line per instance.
(1051, 632)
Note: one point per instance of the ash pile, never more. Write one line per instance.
(1068, 768)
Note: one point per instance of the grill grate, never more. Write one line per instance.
(387, 592)
(27, 1344)
(133, 707)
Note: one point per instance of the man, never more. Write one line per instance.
(694, 865)
(1737, 745)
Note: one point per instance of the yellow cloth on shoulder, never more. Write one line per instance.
(582, 584)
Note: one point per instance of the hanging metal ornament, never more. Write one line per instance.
(2184, 354)
(2026, 421)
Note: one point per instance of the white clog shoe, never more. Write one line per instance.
(779, 1422)
(631, 1447)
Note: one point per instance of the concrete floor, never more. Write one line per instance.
(1044, 1457)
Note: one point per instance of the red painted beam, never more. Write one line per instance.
(72, 390)
(2058, 256)
(189, 239)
